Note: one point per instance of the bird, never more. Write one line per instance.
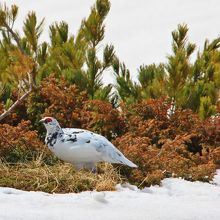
(82, 148)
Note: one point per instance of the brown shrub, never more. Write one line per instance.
(101, 117)
(72, 108)
(58, 99)
(162, 147)
(179, 146)
(19, 142)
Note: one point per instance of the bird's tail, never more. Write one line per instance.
(129, 163)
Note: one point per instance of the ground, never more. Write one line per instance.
(174, 199)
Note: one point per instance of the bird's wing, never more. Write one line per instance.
(77, 136)
(80, 137)
(108, 151)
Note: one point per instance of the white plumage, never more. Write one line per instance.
(80, 147)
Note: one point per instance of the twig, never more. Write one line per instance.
(6, 113)
(16, 38)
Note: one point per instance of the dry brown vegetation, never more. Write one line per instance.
(182, 146)
(60, 177)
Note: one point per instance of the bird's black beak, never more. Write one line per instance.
(41, 121)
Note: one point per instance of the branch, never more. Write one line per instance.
(6, 113)
(15, 36)
(31, 82)
(19, 100)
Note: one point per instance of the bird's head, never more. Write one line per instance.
(51, 124)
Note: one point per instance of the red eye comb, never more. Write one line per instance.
(48, 120)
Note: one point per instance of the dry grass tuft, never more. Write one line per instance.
(58, 178)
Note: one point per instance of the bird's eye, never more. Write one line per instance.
(47, 120)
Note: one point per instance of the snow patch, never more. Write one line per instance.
(99, 196)
(174, 199)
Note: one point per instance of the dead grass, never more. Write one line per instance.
(57, 178)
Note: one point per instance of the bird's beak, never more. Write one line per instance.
(41, 121)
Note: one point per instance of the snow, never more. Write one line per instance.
(174, 199)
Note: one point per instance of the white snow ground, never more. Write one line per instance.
(175, 199)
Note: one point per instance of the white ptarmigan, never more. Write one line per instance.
(80, 147)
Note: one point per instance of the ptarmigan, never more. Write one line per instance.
(80, 147)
